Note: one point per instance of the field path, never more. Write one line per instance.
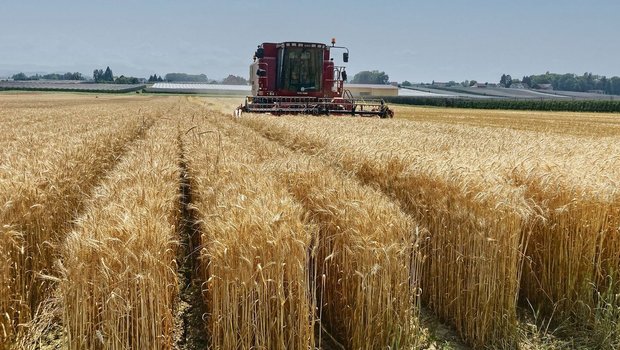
(190, 331)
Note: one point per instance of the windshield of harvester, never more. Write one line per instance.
(300, 69)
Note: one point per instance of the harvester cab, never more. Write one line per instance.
(302, 78)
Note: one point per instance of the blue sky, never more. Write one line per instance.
(410, 40)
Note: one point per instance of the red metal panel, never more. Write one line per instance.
(268, 63)
(271, 49)
(272, 72)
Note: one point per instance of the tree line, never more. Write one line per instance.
(107, 76)
(52, 76)
(197, 78)
(191, 78)
(587, 82)
(155, 79)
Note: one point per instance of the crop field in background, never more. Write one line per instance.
(162, 222)
(74, 86)
(196, 88)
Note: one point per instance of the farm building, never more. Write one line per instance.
(484, 85)
(372, 89)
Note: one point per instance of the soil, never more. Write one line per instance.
(190, 332)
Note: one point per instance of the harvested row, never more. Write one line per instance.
(118, 274)
(361, 258)
(472, 261)
(41, 189)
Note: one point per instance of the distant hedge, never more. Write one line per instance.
(93, 90)
(534, 105)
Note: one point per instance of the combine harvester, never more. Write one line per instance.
(301, 78)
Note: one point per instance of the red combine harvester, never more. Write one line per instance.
(301, 78)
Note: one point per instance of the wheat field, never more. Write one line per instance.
(141, 222)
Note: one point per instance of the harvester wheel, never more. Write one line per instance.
(386, 113)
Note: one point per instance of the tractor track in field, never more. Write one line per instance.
(189, 330)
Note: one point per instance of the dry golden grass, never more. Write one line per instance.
(361, 261)
(43, 183)
(487, 195)
(312, 244)
(56, 101)
(568, 165)
(223, 105)
(470, 274)
(118, 272)
(368, 261)
(572, 123)
(255, 248)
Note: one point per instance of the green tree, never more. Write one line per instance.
(183, 77)
(614, 86)
(234, 80)
(101, 76)
(20, 76)
(506, 80)
(406, 83)
(126, 80)
(98, 75)
(371, 77)
(567, 82)
(154, 78)
(65, 76)
(107, 75)
(601, 84)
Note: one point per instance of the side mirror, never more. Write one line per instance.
(260, 53)
(345, 57)
(261, 72)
